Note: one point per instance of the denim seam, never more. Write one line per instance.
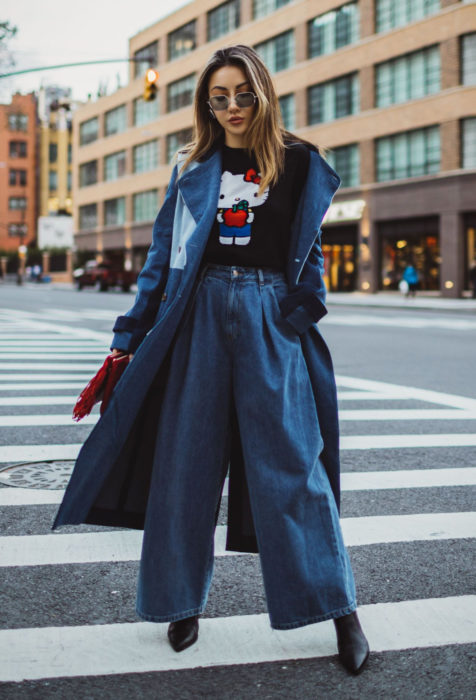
(339, 612)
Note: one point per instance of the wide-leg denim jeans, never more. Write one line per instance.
(235, 345)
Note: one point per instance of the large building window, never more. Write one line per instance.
(145, 112)
(88, 173)
(17, 177)
(115, 211)
(180, 93)
(115, 120)
(334, 99)
(334, 29)
(88, 216)
(345, 161)
(468, 59)
(468, 143)
(145, 206)
(278, 53)
(115, 165)
(16, 203)
(17, 149)
(288, 111)
(147, 57)
(146, 156)
(18, 122)
(53, 180)
(223, 19)
(409, 154)
(408, 77)
(53, 152)
(88, 131)
(261, 8)
(17, 230)
(182, 40)
(396, 13)
(177, 140)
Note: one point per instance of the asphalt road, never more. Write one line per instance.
(407, 396)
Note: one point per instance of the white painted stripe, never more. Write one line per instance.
(65, 355)
(36, 453)
(59, 342)
(381, 442)
(30, 386)
(139, 647)
(37, 400)
(408, 479)
(368, 396)
(45, 419)
(418, 322)
(63, 329)
(408, 392)
(33, 337)
(350, 481)
(125, 545)
(413, 414)
(9, 376)
(70, 366)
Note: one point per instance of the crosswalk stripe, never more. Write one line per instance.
(33, 386)
(60, 342)
(407, 414)
(36, 453)
(57, 376)
(45, 419)
(64, 355)
(138, 647)
(416, 323)
(76, 366)
(125, 545)
(381, 442)
(37, 400)
(350, 481)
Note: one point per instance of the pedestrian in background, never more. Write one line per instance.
(229, 368)
(411, 277)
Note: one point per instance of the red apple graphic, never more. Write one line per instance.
(237, 217)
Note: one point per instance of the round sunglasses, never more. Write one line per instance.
(242, 99)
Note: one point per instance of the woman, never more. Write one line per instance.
(229, 367)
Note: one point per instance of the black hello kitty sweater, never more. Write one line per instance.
(251, 230)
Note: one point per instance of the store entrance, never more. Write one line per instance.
(339, 246)
(410, 242)
(470, 267)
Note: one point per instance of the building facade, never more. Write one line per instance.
(386, 88)
(18, 172)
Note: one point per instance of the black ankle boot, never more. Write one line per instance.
(351, 642)
(183, 633)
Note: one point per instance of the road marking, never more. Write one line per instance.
(30, 386)
(383, 442)
(68, 355)
(369, 396)
(408, 392)
(63, 329)
(407, 414)
(56, 343)
(417, 323)
(125, 545)
(37, 453)
(350, 481)
(9, 376)
(45, 419)
(139, 647)
(75, 366)
(37, 400)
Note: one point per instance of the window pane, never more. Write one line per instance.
(261, 8)
(469, 143)
(182, 40)
(145, 112)
(397, 13)
(287, 106)
(180, 93)
(88, 131)
(334, 99)
(115, 121)
(88, 216)
(88, 173)
(115, 165)
(345, 161)
(408, 77)
(147, 57)
(176, 141)
(469, 59)
(115, 211)
(223, 19)
(408, 154)
(146, 156)
(53, 180)
(334, 29)
(53, 152)
(145, 205)
(277, 53)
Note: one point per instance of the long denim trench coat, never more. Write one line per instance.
(111, 477)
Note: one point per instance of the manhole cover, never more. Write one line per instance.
(37, 475)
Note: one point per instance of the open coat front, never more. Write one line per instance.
(110, 480)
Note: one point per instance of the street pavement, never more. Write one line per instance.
(407, 396)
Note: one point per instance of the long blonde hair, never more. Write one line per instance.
(266, 134)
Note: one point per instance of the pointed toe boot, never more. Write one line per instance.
(351, 642)
(183, 633)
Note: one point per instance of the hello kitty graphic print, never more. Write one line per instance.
(238, 197)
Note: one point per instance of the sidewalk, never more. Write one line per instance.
(422, 301)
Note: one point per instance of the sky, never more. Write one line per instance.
(62, 31)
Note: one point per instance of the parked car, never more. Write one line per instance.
(103, 275)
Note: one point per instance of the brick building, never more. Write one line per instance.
(388, 86)
(18, 170)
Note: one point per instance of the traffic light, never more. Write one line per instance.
(150, 87)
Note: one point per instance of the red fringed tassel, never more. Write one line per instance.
(92, 392)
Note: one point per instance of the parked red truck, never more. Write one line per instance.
(103, 276)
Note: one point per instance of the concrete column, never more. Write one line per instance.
(162, 53)
(367, 18)
(300, 103)
(367, 161)
(452, 254)
(367, 88)
(367, 254)
(300, 42)
(201, 29)
(450, 145)
(45, 259)
(246, 9)
(449, 58)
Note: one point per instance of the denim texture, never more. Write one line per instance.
(234, 345)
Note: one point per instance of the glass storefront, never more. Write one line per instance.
(414, 242)
(339, 247)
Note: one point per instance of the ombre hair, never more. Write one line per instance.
(265, 136)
